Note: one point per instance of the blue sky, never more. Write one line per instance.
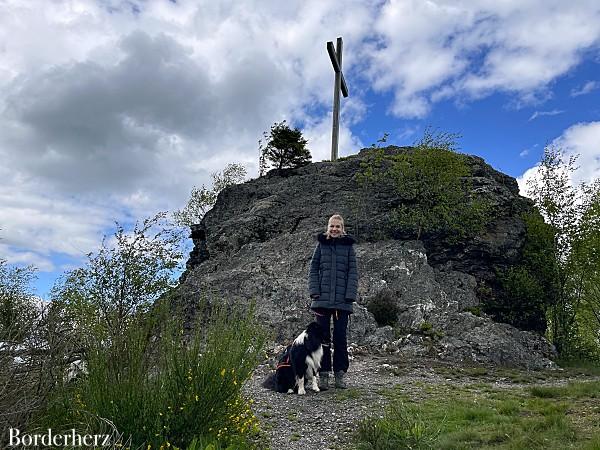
(112, 110)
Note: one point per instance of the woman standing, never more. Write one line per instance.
(333, 282)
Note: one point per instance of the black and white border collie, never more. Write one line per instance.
(299, 359)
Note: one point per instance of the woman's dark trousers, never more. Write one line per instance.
(340, 346)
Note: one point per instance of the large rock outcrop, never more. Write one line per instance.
(260, 237)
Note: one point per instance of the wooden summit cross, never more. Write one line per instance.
(340, 85)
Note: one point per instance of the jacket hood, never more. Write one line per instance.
(346, 239)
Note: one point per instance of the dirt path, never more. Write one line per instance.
(320, 420)
(327, 420)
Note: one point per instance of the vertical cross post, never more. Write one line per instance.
(339, 85)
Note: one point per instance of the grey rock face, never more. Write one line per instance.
(260, 237)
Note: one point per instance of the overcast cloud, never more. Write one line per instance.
(112, 110)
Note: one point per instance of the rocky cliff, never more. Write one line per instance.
(257, 241)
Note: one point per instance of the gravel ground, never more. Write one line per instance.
(327, 420)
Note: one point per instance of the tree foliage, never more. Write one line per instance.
(35, 349)
(432, 183)
(585, 263)
(529, 288)
(573, 214)
(124, 278)
(203, 199)
(283, 147)
(17, 303)
(438, 139)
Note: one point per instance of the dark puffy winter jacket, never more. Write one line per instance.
(333, 274)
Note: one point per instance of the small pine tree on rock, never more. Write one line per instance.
(283, 148)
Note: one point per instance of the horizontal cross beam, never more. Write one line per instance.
(336, 67)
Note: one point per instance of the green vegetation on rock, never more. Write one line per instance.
(529, 288)
(384, 308)
(433, 188)
(203, 199)
(283, 147)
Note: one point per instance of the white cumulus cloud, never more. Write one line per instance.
(581, 140)
(426, 51)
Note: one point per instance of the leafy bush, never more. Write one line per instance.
(475, 310)
(128, 274)
(432, 183)
(572, 213)
(524, 300)
(384, 308)
(203, 199)
(34, 350)
(529, 289)
(17, 304)
(157, 387)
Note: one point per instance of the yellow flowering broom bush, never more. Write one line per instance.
(161, 388)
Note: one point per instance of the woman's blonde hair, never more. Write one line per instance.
(335, 217)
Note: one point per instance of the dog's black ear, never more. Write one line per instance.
(315, 328)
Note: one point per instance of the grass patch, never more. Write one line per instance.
(347, 394)
(462, 372)
(401, 428)
(579, 367)
(545, 391)
(589, 389)
(517, 376)
(509, 408)
(480, 416)
(295, 437)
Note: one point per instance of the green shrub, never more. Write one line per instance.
(426, 327)
(527, 290)
(158, 388)
(523, 304)
(475, 310)
(433, 188)
(35, 350)
(384, 308)
(17, 302)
